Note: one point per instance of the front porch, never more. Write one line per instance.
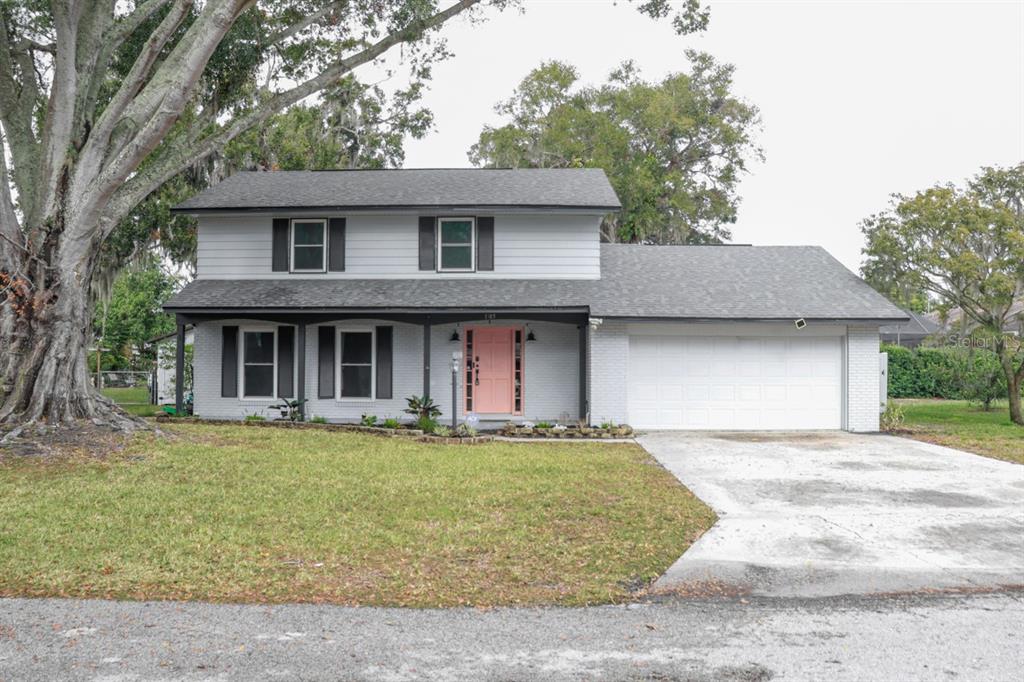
(524, 365)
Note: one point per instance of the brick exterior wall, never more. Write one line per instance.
(608, 363)
(862, 379)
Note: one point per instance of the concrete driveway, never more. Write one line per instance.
(818, 514)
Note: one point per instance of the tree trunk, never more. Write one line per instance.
(45, 334)
(1015, 403)
(1013, 384)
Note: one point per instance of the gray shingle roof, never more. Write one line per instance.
(918, 325)
(689, 282)
(410, 188)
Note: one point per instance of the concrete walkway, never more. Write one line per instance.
(815, 514)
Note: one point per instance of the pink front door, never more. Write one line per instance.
(492, 370)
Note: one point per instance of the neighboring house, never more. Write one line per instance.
(353, 289)
(911, 333)
(952, 321)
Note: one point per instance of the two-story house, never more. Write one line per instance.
(355, 289)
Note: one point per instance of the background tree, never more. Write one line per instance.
(966, 246)
(674, 150)
(133, 316)
(353, 126)
(102, 102)
(908, 295)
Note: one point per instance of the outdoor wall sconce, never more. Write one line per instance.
(529, 334)
(455, 334)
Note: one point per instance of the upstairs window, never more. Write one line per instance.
(456, 245)
(309, 245)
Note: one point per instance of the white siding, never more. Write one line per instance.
(551, 366)
(542, 246)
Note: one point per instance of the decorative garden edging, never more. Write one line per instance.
(351, 428)
(567, 432)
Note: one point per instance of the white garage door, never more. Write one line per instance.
(729, 382)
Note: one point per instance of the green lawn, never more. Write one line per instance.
(134, 400)
(959, 425)
(233, 513)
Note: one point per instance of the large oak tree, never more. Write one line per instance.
(966, 247)
(102, 102)
(674, 150)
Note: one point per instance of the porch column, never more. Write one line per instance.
(583, 369)
(300, 356)
(179, 366)
(426, 358)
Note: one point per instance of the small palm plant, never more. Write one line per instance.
(422, 407)
(290, 409)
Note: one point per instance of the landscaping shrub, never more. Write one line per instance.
(951, 373)
(892, 418)
(426, 424)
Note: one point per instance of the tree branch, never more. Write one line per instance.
(134, 81)
(121, 30)
(17, 106)
(159, 104)
(304, 23)
(140, 186)
(60, 110)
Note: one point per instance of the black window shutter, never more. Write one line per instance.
(229, 362)
(385, 353)
(485, 243)
(336, 242)
(280, 259)
(286, 362)
(427, 249)
(325, 384)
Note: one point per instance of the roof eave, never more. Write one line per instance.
(241, 310)
(787, 319)
(601, 208)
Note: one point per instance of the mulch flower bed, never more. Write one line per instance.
(357, 428)
(523, 431)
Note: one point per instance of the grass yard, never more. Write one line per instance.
(957, 424)
(234, 513)
(134, 400)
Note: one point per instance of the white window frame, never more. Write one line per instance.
(241, 360)
(472, 243)
(291, 240)
(338, 367)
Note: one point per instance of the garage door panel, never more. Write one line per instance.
(723, 393)
(696, 418)
(695, 382)
(670, 393)
(749, 393)
(644, 392)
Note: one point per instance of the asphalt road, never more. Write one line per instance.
(977, 637)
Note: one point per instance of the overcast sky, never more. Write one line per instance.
(858, 99)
